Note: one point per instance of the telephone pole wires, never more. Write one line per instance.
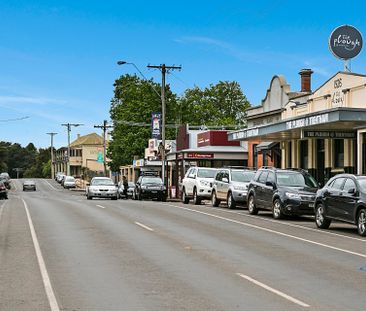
(164, 69)
(52, 159)
(69, 125)
(104, 126)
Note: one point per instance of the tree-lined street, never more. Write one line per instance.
(148, 255)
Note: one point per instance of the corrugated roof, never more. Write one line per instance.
(90, 139)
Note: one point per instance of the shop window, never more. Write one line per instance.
(304, 154)
(338, 153)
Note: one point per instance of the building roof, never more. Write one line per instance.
(90, 139)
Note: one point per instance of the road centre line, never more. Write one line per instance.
(275, 291)
(143, 226)
(286, 224)
(42, 266)
(101, 206)
(271, 231)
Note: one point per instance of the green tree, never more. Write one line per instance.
(217, 105)
(133, 103)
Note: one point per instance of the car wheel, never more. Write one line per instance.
(230, 201)
(196, 199)
(215, 202)
(89, 197)
(23, 189)
(320, 220)
(185, 199)
(361, 222)
(276, 209)
(252, 209)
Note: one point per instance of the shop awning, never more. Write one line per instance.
(266, 145)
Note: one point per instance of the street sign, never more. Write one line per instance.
(329, 134)
(100, 157)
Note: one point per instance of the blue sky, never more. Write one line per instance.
(58, 58)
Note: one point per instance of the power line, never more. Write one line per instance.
(16, 119)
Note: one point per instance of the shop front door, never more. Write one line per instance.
(320, 161)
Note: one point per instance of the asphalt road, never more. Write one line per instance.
(147, 255)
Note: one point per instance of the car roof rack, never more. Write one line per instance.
(296, 169)
(239, 167)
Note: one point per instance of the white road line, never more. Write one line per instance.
(275, 291)
(272, 231)
(143, 226)
(42, 266)
(287, 224)
(1, 209)
(51, 185)
(101, 206)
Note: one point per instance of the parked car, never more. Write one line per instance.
(283, 191)
(60, 177)
(29, 185)
(197, 184)
(231, 185)
(101, 187)
(69, 182)
(5, 178)
(342, 198)
(3, 191)
(149, 187)
(130, 190)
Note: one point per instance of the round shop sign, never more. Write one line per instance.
(345, 42)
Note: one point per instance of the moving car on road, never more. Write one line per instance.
(3, 191)
(29, 185)
(342, 198)
(101, 187)
(197, 184)
(283, 191)
(150, 187)
(231, 185)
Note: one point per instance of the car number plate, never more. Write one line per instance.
(311, 204)
(154, 191)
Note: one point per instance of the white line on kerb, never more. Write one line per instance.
(143, 226)
(101, 206)
(42, 266)
(271, 231)
(275, 291)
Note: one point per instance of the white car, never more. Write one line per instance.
(69, 182)
(197, 184)
(101, 187)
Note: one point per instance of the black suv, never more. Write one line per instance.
(283, 191)
(149, 187)
(342, 198)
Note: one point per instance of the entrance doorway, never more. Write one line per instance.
(320, 161)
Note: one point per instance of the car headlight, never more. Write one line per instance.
(204, 183)
(242, 188)
(292, 195)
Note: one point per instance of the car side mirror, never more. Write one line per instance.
(352, 191)
(225, 180)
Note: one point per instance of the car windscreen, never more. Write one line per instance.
(362, 183)
(102, 182)
(242, 176)
(296, 179)
(151, 180)
(202, 173)
(131, 184)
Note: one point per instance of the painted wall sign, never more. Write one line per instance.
(338, 97)
(329, 134)
(245, 134)
(307, 121)
(345, 42)
(195, 155)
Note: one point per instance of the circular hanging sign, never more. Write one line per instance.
(345, 42)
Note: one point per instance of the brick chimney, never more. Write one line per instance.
(305, 80)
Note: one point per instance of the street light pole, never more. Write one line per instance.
(52, 166)
(69, 125)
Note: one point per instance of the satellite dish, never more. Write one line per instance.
(345, 42)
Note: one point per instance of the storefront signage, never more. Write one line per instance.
(138, 163)
(245, 134)
(329, 134)
(345, 42)
(338, 95)
(307, 121)
(195, 155)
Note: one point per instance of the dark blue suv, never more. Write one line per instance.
(282, 191)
